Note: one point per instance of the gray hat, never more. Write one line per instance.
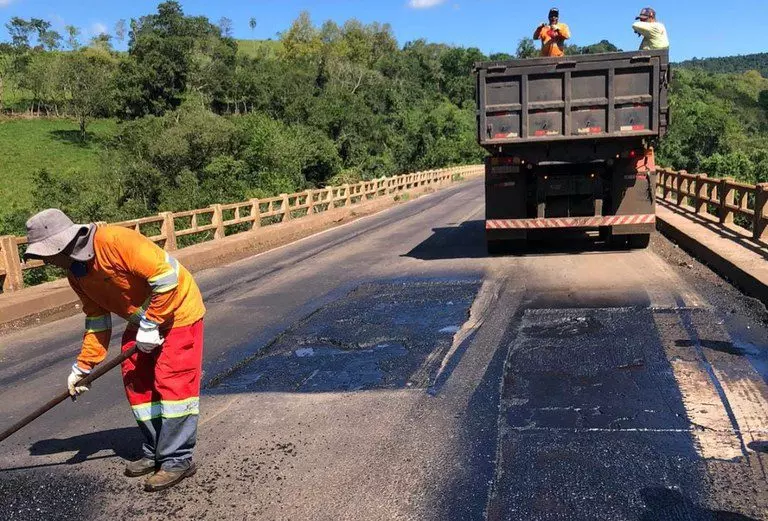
(50, 232)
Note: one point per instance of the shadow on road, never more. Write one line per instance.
(467, 241)
(759, 446)
(125, 443)
(663, 504)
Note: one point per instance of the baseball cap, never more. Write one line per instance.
(554, 11)
(646, 12)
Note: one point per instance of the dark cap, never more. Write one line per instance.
(645, 13)
(554, 11)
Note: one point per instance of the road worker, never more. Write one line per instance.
(552, 35)
(117, 270)
(653, 32)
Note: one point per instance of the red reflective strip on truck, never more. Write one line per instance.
(568, 222)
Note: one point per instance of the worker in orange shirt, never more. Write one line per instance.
(117, 270)
(552, 35)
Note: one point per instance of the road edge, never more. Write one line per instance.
(723, 256)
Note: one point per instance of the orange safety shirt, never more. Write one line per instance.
(551, 42)
(135, 279)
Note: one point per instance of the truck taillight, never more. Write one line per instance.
(632, 154)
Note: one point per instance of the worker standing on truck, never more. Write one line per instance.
(116, 270)
(653, 32)
(552, 35)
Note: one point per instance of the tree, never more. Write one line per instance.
(102, 41)
(88, 78)
(164, 49)
(120, 31)
(7, 54)
(72, 37)
(50, 40)
(763, 100)
(526, 48)
(225, 24)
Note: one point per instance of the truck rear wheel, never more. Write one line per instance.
(497, 247)
(639, 242)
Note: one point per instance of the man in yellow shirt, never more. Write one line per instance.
(653, 32)
(552, 35)
(118, 271)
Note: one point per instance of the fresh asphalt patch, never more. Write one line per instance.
(593, 424)
(386, 335)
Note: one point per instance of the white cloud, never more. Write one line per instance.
(5, 3)
(421, 4)
(98, 28)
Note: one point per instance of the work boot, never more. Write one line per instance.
(163, 479)
(134, 469)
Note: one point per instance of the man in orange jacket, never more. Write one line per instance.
(117, 270)
(552, 35)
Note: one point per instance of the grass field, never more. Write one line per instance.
(29, 145)
(255, 48)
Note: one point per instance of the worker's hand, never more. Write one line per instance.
(148, 338)
(75, 376)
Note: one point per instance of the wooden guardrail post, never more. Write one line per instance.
(168, 228)
(11, 262)
(679, 187)
(700, 201)
(310, 202)
(760, 227)
(727, 197)
(664, 182)
(285, 207)
(347, 195)
(255, 214)
(218, 221)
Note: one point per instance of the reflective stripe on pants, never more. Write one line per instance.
(163, 388)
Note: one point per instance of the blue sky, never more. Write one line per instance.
(697, 28)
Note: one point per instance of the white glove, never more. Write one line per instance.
(75, 376)
(148, 338)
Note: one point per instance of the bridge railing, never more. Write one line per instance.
(172, 230)
(736, 205)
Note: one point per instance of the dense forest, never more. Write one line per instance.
(188, 116)
(730, 64)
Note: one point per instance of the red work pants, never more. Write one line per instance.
(163, 388)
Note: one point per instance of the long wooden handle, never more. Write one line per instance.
(95, 374)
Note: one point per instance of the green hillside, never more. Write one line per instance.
(30, 145)
(730, 64)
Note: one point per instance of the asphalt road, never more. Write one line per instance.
(389, 369)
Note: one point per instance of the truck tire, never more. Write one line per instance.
(639, 242)
(510, 247)
(496, 247)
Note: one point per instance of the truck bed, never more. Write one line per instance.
(573, 98)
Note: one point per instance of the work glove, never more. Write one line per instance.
(148, 337)
(75, 376)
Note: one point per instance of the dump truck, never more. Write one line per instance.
(570, 144)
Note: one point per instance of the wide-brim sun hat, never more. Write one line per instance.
(51, 232)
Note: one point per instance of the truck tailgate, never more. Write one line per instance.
(572, 98)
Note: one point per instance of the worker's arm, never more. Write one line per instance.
(643, 28)
(98, 330)
(565, 31)
(537, 32)
(148, 261)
